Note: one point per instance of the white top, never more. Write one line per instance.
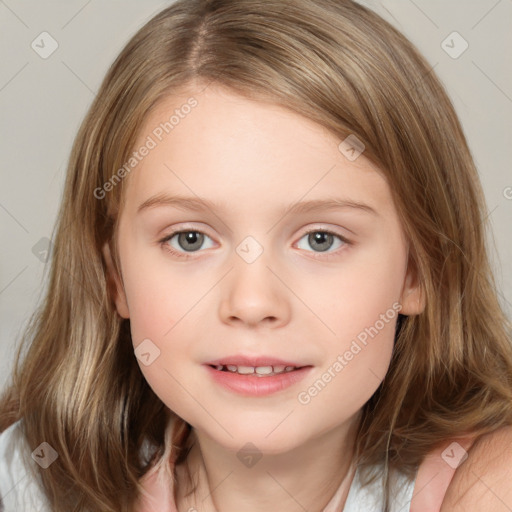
(371, 497)
(20, 489)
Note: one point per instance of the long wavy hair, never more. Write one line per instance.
(76, 382)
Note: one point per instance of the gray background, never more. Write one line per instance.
(42, 102)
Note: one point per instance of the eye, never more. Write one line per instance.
(322, 240)
(185, 240)
(179, 243)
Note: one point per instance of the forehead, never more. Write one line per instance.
(215, 143)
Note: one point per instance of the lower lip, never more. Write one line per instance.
(252, 385)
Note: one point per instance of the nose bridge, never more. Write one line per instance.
(253, 293)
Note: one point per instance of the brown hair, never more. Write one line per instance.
(79, 387)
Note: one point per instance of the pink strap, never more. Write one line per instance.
(436, 472)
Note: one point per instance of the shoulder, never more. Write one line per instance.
(483, 482)
(436, 472)
(19, 489)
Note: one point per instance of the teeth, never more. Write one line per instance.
(263, 370)
(245, 370)
(258, 370)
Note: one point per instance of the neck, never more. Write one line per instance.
(305, 478)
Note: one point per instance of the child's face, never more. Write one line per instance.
(305, 301)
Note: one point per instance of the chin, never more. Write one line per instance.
(267, 439)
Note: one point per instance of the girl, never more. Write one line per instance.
(330, 339)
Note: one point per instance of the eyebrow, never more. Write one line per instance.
(201, 204)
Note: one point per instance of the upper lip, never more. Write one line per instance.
(241, 360)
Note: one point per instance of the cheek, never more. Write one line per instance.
(365, 285)
(355, 360)
(360, 305)
(164, 306)
(158, 295)
(158, 321)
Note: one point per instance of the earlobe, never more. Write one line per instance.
(115, 287)
(413, 297)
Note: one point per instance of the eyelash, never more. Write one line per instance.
(327, 255)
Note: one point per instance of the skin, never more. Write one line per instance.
(292, 302)
(482, 482)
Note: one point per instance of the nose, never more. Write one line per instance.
(253, 294)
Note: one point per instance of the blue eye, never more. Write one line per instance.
(188, 240)
(322, 240)
(191, 241)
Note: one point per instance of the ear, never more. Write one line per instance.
(412, 298)
(115, 286)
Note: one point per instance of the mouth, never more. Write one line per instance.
(258, 371)
(256, 377)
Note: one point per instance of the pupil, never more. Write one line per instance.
(321, 238)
